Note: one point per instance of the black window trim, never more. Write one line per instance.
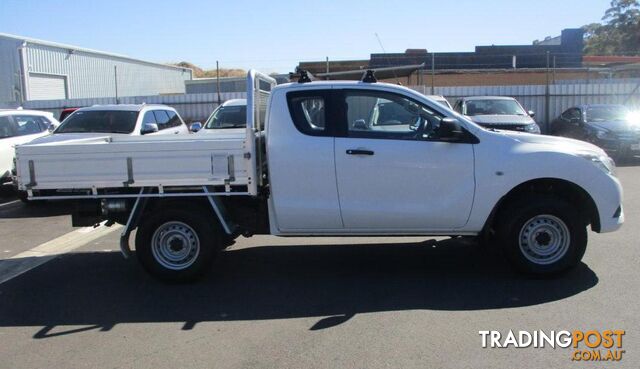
(329, 111)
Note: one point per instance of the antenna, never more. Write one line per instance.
(385, 51)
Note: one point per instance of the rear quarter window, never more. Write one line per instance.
(308, 111)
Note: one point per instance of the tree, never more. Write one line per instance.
(620, 32)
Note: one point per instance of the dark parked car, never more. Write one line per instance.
(612, 127)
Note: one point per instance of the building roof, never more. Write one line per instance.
(124, 107)
(35, 41)
(467, 98)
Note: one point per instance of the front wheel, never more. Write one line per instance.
(176, 246)
(543, 235)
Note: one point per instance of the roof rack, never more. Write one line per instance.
(305, 76)
(369, 77)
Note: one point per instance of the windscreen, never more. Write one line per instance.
(493, 107)
(607, 113)
(99, 121)
(228, 117)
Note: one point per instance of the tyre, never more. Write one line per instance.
(542, 235)
(176, 245)
(24, 197)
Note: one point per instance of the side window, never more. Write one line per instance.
(28, 124)
(577, 114)
(573, 113)
(309, 111)
(162, 119)
(458, 106)
(44, 123)
(174, 119)
(375, 114)
(7, 129)
(148, 118)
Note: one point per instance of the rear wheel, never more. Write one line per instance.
(542, 235)
(176, 245)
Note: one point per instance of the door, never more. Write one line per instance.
(393, 174)
(302, 176)
(47, 87)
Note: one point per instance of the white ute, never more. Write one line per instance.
(334, 158)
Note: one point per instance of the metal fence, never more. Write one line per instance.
(551, 102)
(547, 101)
(192, 107)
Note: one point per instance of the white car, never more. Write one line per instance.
(230, 118)
(497, 112)
(18, 127)
(440, 99)
(336, 158)
(130, 120)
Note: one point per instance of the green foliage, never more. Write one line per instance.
(619, 34)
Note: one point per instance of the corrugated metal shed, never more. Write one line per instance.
(208, 85)
(37, 69)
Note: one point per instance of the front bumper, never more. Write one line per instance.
(618, 145)
(608, 201)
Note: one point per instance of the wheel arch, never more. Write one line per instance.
(570, 191)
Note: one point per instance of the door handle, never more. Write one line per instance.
(359, 152)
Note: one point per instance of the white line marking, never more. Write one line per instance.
(27, 260)
(9, 203)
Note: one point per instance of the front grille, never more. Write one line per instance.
(508, 127)
(628, 136)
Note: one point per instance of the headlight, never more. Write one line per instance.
(602, 162)
(532, 128)
(601, 133)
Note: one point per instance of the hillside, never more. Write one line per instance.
(208, 73)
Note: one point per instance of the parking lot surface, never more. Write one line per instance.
(304, 302)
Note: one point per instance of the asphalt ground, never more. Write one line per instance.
(303, 302)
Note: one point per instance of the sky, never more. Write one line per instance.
(273, 36)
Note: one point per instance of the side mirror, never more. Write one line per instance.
(531, 113)
(149, 128)
(195, 127)
(360, 124)
(51, 128)
(449, 130)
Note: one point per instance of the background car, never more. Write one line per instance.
(132, 120)
(228, 118)
(498, 112)
(18, 127)
(611, 127)
(440, 99)
(66, 112)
